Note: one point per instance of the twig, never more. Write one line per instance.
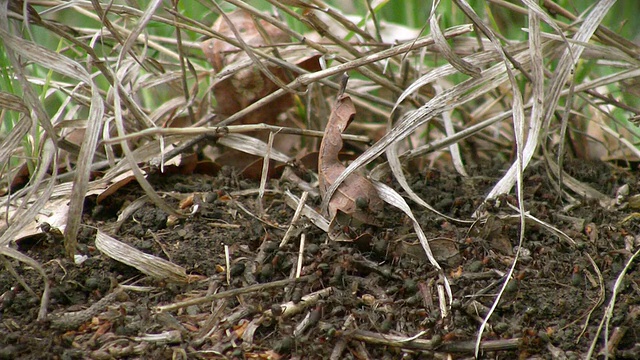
(71, 320)
(318, 220)
(308, 321)
(429, 345)
(300, 255)
(219, 131)
(227, 261)
(343, 84)
(296, 217)
(234, 292)
(266, 160)
(292, 308)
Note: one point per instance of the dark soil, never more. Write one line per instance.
(373, 290)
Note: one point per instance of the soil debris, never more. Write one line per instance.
(375, 298)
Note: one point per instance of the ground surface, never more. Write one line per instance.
(371, 290)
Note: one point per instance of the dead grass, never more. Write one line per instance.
(102, 97)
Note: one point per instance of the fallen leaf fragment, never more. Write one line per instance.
(356, 197)
(248, 83)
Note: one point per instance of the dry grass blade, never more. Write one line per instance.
(264, 174)
(13, 139)
(222, 131)
(571, 55)
(447, 100)
(14, 47)
(236, 292)
(391, 197)
(547, 226)
(579, 187)
(85, 159)
(518, 119)
(140, 27)
(608, 79)
(151, 152)
(535, 120)
(609, 37)
(294, 222)
(318, 220)
(569, 58)
(120, 92)
(452, 139)
(12, 102)
(382, 170)
(44, 300)
(519, 125)
(147, 264)
(23, 216)
(454, 149)
(72, 69)
(540, 118)
(626, 142)
(396, 169)
(42, 190)
(460, 64)
(253, 146)
(608, 315)
(534, 10)
(45, 57)
(482, 59)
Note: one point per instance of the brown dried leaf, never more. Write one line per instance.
(116, 185)
(249, 84)
(183, 164)
(356, 197)
(254, 170)
(220, 53)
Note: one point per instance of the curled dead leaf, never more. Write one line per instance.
(356, 198)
